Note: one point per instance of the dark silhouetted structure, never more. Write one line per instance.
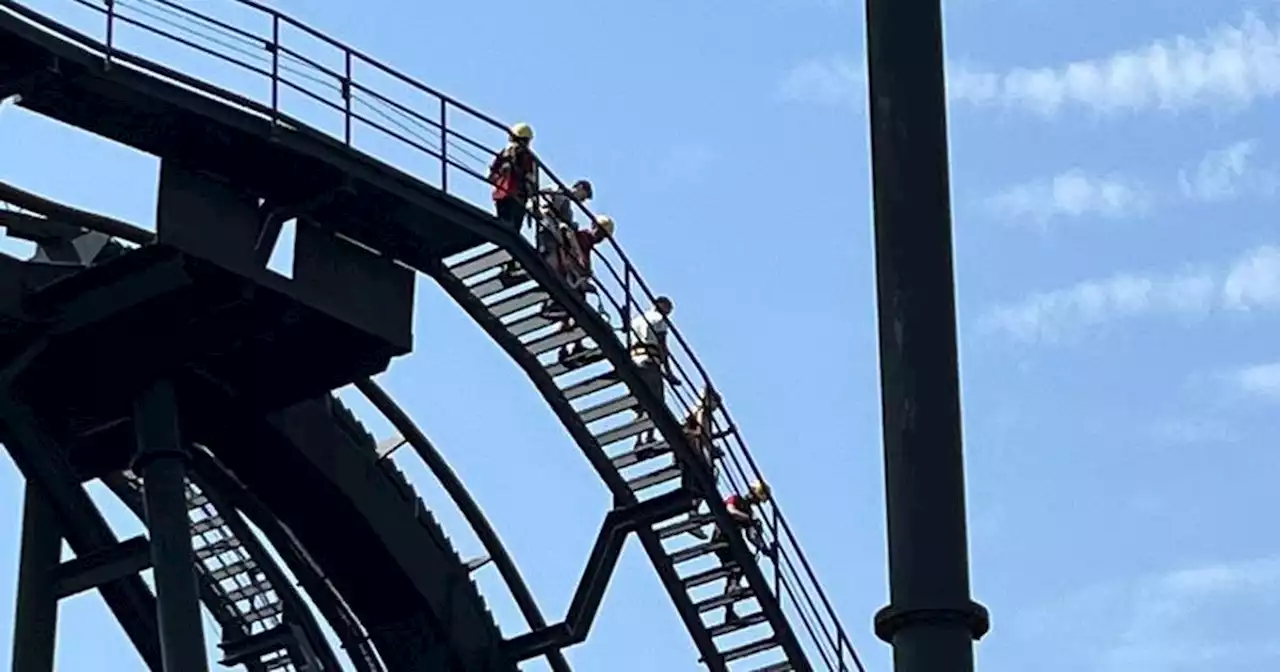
(931, 619)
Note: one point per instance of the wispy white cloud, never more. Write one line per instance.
(1184, 620)
(835, 81)
(1227, 67)
(1252, 282)
(1049, 316)
(1070, 194)
(1229, 173)
(1262, 380)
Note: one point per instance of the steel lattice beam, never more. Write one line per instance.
(41, 461)
(595, 578)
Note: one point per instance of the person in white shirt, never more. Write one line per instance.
(649, 352)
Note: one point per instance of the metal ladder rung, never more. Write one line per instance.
(608, 408)
(750, 649)
(624, 432)
(696, 551)
(655, 478)
(554, 341)
(724, 600)
(195, 499)
(577, 361)
(742, 623)
(518, 302)
(582, 388)
(528, 325)
(208, 525)
(233, 569)
(693, 522)
(646, 452)
(702, 578)
(218, 547)
(480, 264)
(487, 288)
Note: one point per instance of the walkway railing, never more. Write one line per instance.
(294, 75)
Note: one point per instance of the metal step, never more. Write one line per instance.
(692, 523)
(228, 571)
(720, 601)
(696, 551)
(646, 452)
(555, 341)
(624, 432)
(217, 548)
(582, 359)
(654, 478)
(591, 385)
(486, 288)
(702, 578)
(742, 623)
(749, 649)
(532, 297)
(608, 408)
(529, 324)
(480, 264)
(784, 666)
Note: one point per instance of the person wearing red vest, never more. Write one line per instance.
(514, 175)
(575, 267)
(742, 511)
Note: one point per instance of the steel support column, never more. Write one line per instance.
(35, 629)
(162, 463)
(931, 620)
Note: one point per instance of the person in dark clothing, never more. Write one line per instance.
(742, 511)
(697, 431)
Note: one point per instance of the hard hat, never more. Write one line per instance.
(761, 490)
(605, 222)
(522, 130)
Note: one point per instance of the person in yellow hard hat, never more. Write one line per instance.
(514, 176)
(742, 511)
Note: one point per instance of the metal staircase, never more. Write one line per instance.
(588, 382)
(256, 630)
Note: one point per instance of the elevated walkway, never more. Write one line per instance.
(330, 182)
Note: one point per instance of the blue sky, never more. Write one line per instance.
(1119, 271)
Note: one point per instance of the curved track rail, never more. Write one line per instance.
(803, 628)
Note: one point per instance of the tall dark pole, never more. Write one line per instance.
(35, 628)
(162, 462)
(931, 621)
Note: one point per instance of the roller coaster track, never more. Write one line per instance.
(794, 627)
